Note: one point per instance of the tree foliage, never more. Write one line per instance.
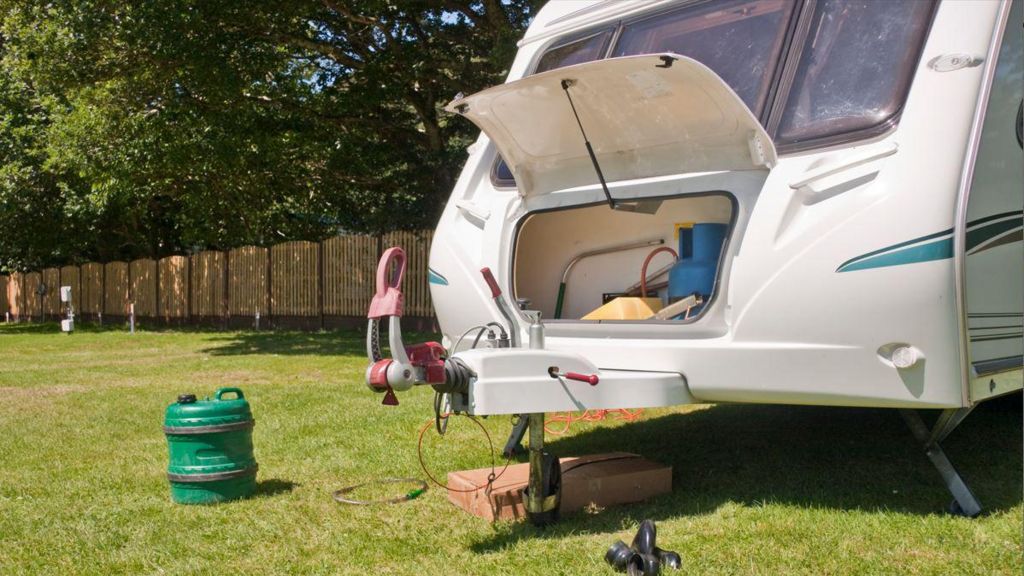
(144, 128)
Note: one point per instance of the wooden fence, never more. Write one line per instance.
(172, 288)
(294, 284)
(91, 276)
(248, 290)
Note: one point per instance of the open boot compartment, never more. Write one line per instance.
(573, 263)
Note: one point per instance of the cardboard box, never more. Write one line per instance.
(599, 479)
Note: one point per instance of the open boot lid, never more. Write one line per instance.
(646, 116)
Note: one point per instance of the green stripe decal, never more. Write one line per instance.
(980, 235)
(435, 278)
(938, 246)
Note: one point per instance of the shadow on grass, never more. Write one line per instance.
(350, 342)
(808, 457)
(88, 327)
(327, 343)
(24, 328)
(274, 486)
(92, 327)
(345, 343)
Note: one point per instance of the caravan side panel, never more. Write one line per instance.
(993, 243)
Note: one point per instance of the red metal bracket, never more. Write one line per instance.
(430, 357)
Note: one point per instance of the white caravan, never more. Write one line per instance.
(840, 182)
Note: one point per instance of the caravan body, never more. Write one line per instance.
(863, 160)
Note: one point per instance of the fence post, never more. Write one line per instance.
(188, 289)
(270, 290)
(320, 280)
(225, 300)
(130, 304)
(103, 291)
(156, 291)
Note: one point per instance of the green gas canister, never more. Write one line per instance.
(210, 447)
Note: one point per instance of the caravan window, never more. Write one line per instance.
(592, 47)
(739, 39)
(848, 65)
(855, 68)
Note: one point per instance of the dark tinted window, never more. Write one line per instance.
(855, 68)
(739, 39)
(502, 173)
(585, 49)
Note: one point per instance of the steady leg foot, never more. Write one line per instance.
(964, 502)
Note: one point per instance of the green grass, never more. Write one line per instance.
(757, 489)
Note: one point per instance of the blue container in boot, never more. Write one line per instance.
(700, 249)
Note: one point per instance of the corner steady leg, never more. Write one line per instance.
(964, 502)
(542, 497)
(514, 444)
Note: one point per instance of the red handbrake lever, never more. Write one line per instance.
(591, 379)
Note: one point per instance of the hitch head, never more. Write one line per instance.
(410, 365)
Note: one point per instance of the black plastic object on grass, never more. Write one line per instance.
(642, 557)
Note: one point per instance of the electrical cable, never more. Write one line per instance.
(491, 478)
(569, 418)
(480, 327)
(339, 495)
(440, 407)
(476, 341)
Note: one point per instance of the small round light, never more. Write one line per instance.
(904, 357)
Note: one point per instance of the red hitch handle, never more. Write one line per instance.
(591, 379)
(491, 282)
(392, 255)
(387, 300)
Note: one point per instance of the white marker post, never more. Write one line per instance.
(131, 318)
(257, 319)
(67, 324)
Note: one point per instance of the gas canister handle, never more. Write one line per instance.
(222, 391)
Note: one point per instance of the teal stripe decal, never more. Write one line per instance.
(937, 250)
(846, 265)
(937, 246)
(435, 278)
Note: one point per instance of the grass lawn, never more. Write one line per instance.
(757, 489)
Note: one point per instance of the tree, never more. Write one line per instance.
(160, 126)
